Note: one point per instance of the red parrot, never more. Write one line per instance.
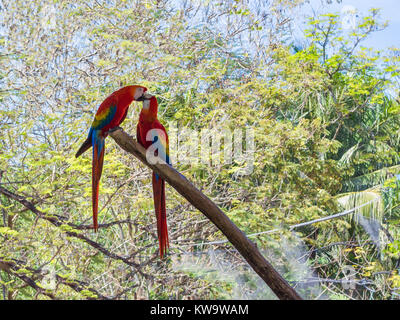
(151, 134)
(110, 115)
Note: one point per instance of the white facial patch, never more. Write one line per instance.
(146, 104)
(138, 93)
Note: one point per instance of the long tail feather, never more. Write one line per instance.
(159, 205)
(86, 145)
(97, 168)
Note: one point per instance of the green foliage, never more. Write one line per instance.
(325, 128)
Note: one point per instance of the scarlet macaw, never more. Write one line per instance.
(110, 115)
(150, 132)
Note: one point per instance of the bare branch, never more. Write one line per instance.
(239, 240)
(55, 220)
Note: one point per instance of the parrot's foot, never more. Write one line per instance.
(115, 129)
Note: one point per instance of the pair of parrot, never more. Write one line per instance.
(111, 113)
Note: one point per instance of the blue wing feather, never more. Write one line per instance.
(102, 120)
(97, 140)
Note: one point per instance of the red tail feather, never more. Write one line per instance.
(97, 168)
(159, 205)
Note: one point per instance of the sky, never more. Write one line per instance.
(390, 11)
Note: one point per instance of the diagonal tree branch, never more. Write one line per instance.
(239, 240)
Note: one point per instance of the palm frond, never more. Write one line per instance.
(370, 180)
(348, 155)
(368, 203)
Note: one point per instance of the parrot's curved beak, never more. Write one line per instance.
(145, 96)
